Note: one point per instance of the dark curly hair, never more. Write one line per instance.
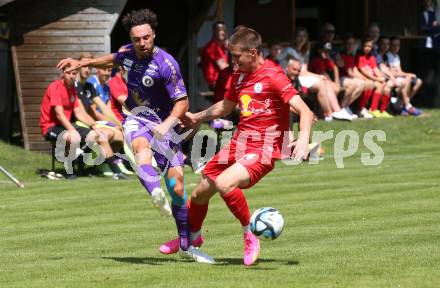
(139, 17)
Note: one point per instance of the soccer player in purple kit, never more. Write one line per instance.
(157, 99)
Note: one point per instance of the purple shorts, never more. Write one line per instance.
(167, 153)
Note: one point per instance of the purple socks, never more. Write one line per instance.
(148, 177)
(180, 214)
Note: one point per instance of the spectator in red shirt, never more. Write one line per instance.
(351, 79)
(214, 54)
(118, 93)
(59, 102)
(366, 63)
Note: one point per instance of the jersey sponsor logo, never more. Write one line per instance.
(127, 63)
(147, 81)
(137, 99)
(138, 68)
(251, 106)
(258, 87)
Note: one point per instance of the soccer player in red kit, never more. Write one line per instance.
(264, 95)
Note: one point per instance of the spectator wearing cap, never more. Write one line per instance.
(323, 65)
(328, 34)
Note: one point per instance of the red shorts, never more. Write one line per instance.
(252, 160)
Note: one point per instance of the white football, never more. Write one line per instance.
(267, 223)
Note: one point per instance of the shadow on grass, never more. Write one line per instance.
(239, 262)
(219, 261)
(143, 260)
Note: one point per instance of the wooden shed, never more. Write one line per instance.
(43, 32)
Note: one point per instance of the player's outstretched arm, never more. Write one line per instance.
(219, 109)
(177, 114)
(70, 64)
(301, 149)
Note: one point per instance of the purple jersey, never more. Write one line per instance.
(154, 82)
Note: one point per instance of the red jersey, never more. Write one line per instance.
(320, 65)
(368, 62)
(210, 54)
(117, 88)
(349, 63)
(262, 97)
(57, 94)
(222, 85)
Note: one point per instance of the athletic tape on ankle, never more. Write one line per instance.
(177, 200)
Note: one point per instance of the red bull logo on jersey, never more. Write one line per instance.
(251, 106)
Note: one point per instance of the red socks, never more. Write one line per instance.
(375, 101)
(363, 101)
(237, 204)
(197, 214)
(235, 201)
(384, 102)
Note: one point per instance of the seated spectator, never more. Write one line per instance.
(328, 34)
(214, 54)
(351, 79)
(366, 63)
(293, 72)
(412, 83)
(110, 123)
(60, 102)
(318, 84)
(118, 92)
(430, 26)
(321, 64)
(398, 85)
